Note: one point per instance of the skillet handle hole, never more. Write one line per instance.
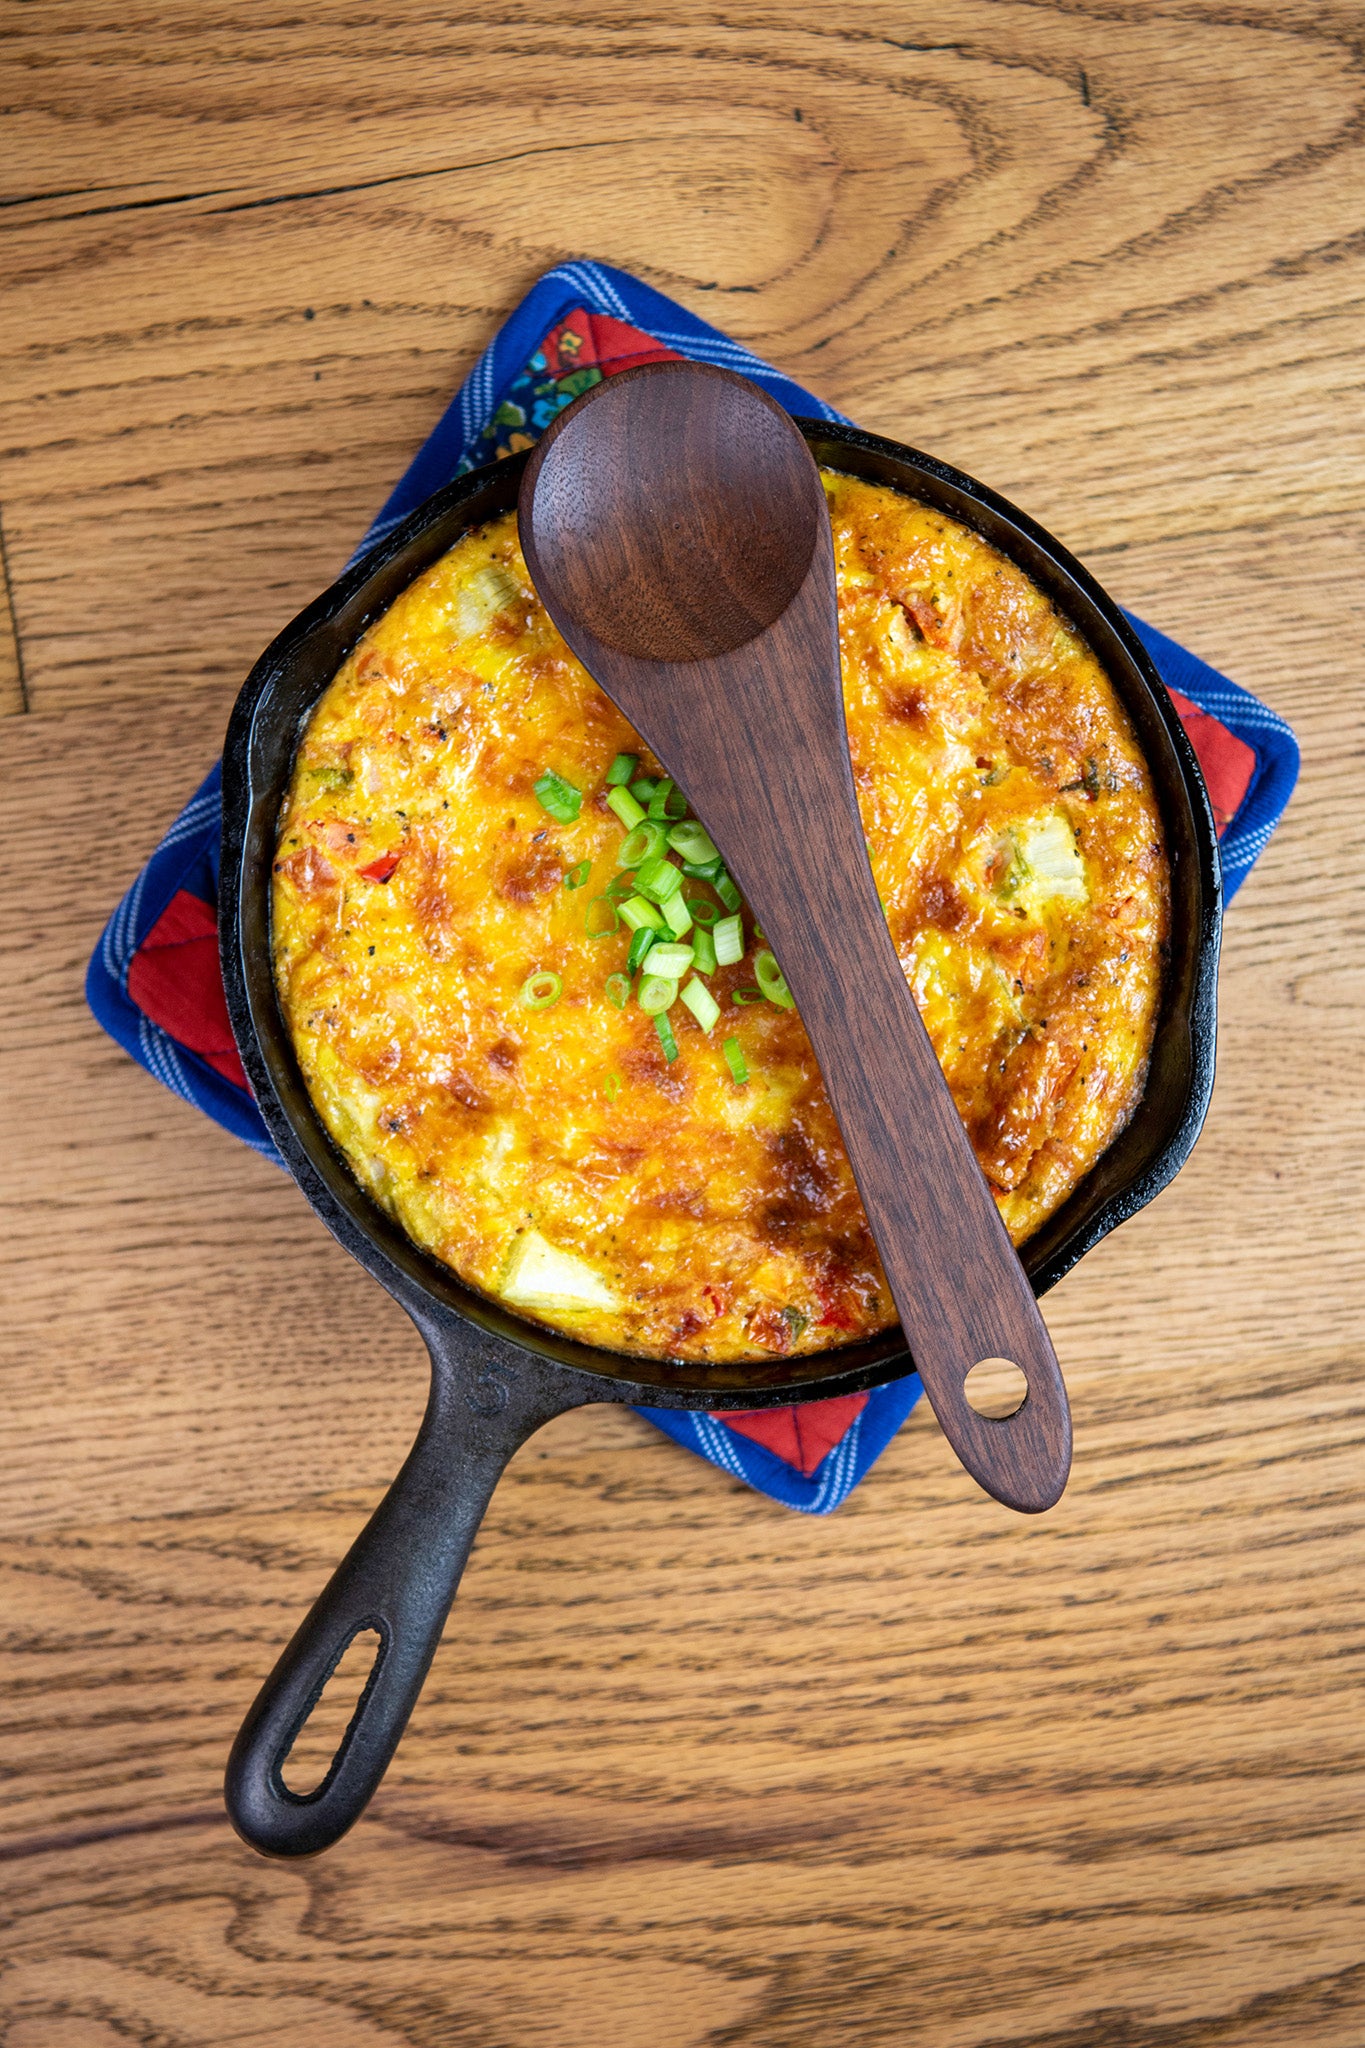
(996, 1387)
(310, 1757)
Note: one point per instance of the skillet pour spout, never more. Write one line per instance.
(495, 1379)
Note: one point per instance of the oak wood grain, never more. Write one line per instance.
(690, 1769)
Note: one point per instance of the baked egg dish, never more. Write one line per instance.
(534, 1011)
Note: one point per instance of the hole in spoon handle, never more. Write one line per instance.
(1006, 1416)
(996, 1388)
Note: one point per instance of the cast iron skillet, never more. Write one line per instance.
(495, 1378)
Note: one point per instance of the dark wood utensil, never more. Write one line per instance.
(675, 527)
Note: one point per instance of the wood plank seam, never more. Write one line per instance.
(14, 698)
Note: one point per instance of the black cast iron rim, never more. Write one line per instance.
(262, 738)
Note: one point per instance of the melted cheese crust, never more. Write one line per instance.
(553, 1156)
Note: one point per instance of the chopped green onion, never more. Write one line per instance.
(541, 991)
(735, 1061)
(576, 877)
(771, 981)
(599, 910)
(559, 797)
(701, 1003)
(642, 789)
(618, 990)
(665, 797)
(726, 890)
(611, 1087)
(619, 887)
(729, 938)
(636, 913)
(627, 810)
(644, 843)
(703, 909)
(716, 873)
(658, 992)
(658, 878)
(677, 916)
(621, 769)
(666, 1038)
(669, 959)
(704, 951)
(692, 840)
(741, 996)
(639, 947)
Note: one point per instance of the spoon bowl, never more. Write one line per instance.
(703, 525)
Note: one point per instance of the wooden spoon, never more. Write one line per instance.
(675, 527)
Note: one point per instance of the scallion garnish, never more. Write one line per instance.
(704, 951)
(677, 916)
(618, 990)
(770, 980)
(642, 789)
(735, 1061)
(657, 993)
(701, 1003)
(666, 801)
(725, 889)
(601, 918)
(645, 843)
(670, 960)
(611, 1087)
(659, 879)
(619, 887)
(741, 996)
(666, 1038)
(639, 947)
(559, 797)
(627, 810)
(621, 769)
(577, 876)
(542, 990)
(729, 938)
(704, 910)
(637, 913)
(692, 840)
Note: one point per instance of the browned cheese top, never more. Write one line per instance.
(556, 1156)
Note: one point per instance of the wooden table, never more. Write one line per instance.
(690, 1769)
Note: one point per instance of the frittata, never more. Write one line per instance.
(537, 1018)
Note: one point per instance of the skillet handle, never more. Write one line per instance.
(398, 1578)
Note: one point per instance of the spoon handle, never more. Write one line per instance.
(959, 1288)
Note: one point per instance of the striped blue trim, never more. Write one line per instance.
(833, 1479)
(187, 857)
(1263, 730)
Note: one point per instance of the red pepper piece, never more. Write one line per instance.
(380, 870)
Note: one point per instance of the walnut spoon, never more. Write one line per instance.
(675, 527)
